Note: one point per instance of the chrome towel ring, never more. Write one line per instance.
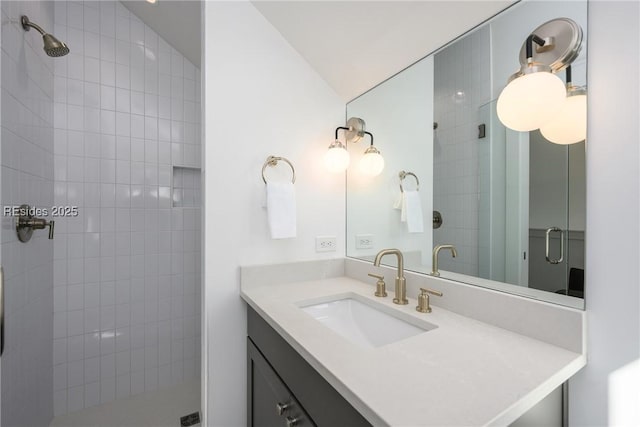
(403, 175)
(272, 161)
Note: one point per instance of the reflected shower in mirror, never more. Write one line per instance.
(511, 203)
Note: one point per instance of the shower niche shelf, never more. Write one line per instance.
(185, 187)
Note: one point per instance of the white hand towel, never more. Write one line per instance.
(399, 201)
(401, 204)
(281, 209)
(413, 211)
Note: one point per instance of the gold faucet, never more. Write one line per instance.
(381, 290)
(423, 300)
(401, 285)
(434, 261)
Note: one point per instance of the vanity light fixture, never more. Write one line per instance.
(372, 163)
(569, 126)
(337, 158)
(534, 95)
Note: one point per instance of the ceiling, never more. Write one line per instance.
(353, 45)
(178, 22)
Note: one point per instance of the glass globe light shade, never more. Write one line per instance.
(531, 99)
(336, 159)
(372, 162)
(570, 123)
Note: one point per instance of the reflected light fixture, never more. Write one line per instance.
(569, 125)
(534, 95)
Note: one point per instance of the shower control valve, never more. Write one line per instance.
(26, 223)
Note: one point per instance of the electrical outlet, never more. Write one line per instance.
(325, 243)
(364, 241)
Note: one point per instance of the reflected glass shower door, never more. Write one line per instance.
(532, 207)
(556, 216)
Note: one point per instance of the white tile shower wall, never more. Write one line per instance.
(27, 177)
(127, 268)
(458, 97)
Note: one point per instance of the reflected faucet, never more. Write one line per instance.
(401, 285)
(434, 261)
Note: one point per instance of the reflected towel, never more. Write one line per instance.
(412, 211)
(281, 209)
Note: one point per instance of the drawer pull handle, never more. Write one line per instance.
(281, 408)
(292, 422)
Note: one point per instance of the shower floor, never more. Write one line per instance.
(151, 409)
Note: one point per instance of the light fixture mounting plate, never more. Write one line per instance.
(563, 38)
(356, 129)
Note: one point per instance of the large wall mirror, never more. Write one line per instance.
(512, 203)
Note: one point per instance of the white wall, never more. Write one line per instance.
(247, 60)
(1, 245)
(400, 116)
(613, 215)
(261, 98)
(127, 108)
(27, 177)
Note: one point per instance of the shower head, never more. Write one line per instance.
(52, 46)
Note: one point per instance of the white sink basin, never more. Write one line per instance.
(363, 324)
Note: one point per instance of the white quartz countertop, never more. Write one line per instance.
(463, 373)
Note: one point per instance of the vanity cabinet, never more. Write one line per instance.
(284, 390)
(270, 401)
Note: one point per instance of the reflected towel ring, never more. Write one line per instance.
(403, 175)
(272, 161)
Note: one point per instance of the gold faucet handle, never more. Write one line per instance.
(432, 292)
(381, 290)
(423, 300)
